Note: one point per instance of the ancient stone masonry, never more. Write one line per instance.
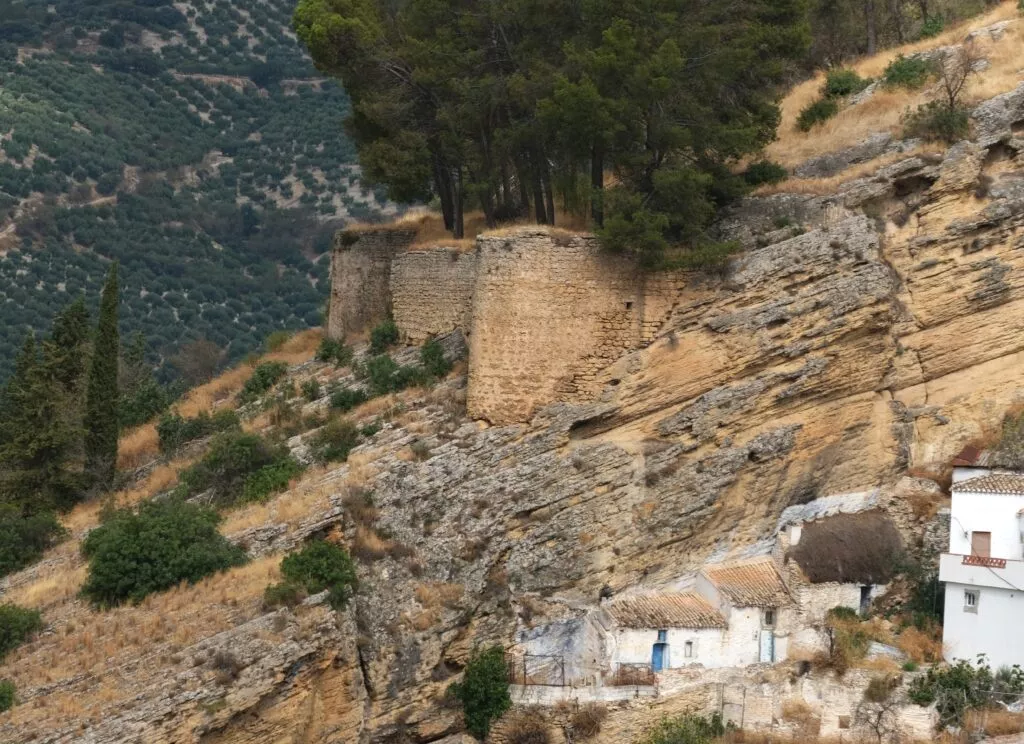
(361, 277)
(432, 291)
(551, 313)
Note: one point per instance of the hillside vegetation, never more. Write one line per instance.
(193, 143)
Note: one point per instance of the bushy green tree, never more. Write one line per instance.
(101, 412)
(509, 108)
(686, 729)
(17, 625)
(483, 690)
(322, 565)
(135, 553)
(7, 695)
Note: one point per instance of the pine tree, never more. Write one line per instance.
(101, 419)
(37, 440)
(65, 351)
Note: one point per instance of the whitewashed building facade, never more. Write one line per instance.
(738, 613)
(984, 568)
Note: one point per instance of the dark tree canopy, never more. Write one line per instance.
(511, 107)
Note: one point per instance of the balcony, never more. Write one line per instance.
(976, 570)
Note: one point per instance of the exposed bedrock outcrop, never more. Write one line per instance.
(860, 334)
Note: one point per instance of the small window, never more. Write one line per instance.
(769, 618)
(844, 722)
(662, 636)
(629, 305)
(688, 649)
(971, 600)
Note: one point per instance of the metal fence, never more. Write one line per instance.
(537, 669)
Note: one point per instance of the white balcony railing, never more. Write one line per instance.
(974, 570)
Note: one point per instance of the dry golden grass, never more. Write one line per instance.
(924, 647)
(309, 496)
(59, 584)
(882, 112)
(93, 646)
(160, 479)
(795, 710)
(994, 722)
(142, 444)
(439, 594)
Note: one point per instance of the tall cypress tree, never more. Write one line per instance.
(101, 424)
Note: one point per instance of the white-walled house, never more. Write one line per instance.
(984, 569)
(665, 631)
(757, 606)
(739, 613)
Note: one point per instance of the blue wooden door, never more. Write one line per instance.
(658, 657)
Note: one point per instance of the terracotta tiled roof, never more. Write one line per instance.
(1011, 483)
(671, 610)
(752, 583)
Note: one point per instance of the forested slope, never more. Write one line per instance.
(194, 143)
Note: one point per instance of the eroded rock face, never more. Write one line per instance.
(861, 334)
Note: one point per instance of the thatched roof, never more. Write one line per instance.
(862, 548)
(750, 583)
(669, 610)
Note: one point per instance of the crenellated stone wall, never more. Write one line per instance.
(361, 277)
(432, 291)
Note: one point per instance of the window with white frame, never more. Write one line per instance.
(970, 600)
(688, 649)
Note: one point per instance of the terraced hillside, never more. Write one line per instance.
(193, 142)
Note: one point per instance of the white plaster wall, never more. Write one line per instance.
(743, 639)
(633, 646)
(994, 630)
(986, 512)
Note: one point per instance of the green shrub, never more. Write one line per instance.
(963, 686)
(764, 171)
(383, 337)
(345, 399)
(175, 431)
(908, 72)
(843, 82)
(270, 479)
(7, 692)
(687, 729)
(263, 378)
(133, 554)
(936, 121)
(335, 440)
(381, 373)
(910, 666)
(815, 113)
(322, 565)
(368, 430)
(433, 360)
(238, 466)
(483, 690)
(311, 390)
(24, 538)
(335, 352)
(283, 595)
(933, 26)
(17, 624)
(276, 340)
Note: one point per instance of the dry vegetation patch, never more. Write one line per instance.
(883, 111)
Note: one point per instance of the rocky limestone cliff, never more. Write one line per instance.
(861, 335)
